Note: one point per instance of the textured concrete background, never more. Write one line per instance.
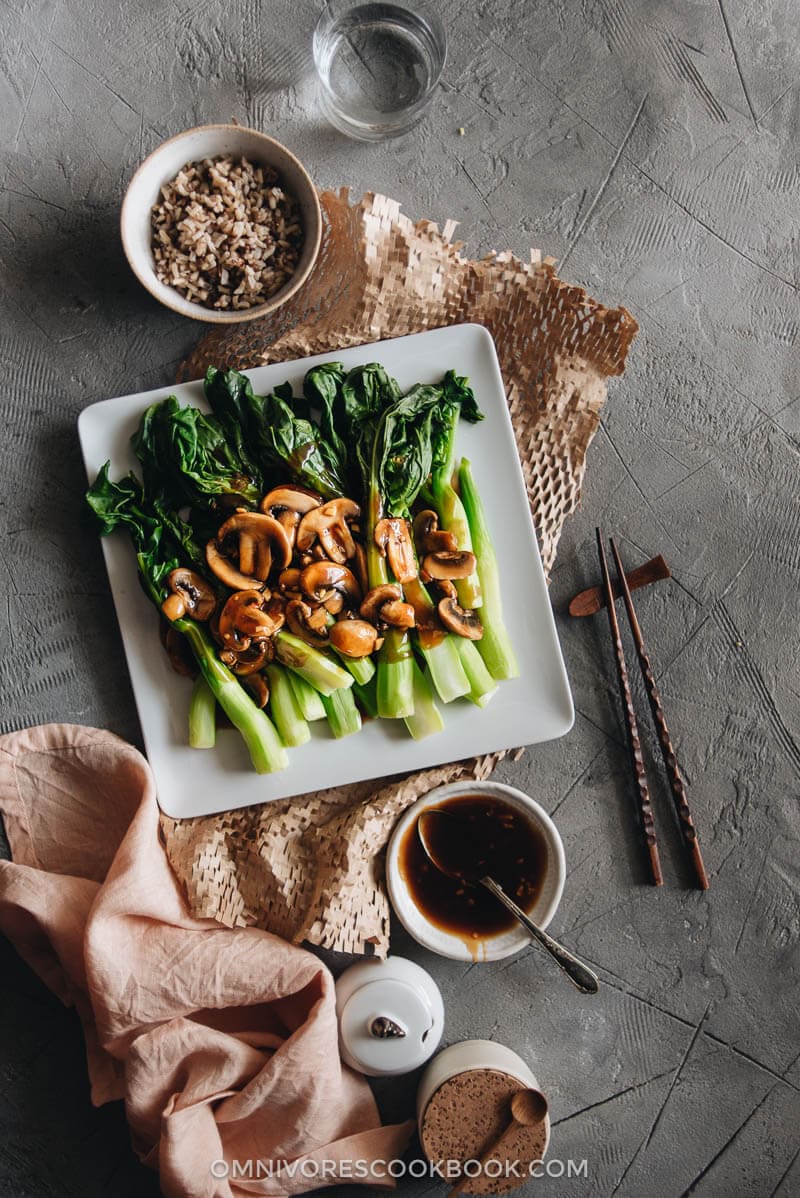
(652, 147)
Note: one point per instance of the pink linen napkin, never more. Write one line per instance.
(223, 1043)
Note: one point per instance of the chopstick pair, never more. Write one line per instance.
(677, 785)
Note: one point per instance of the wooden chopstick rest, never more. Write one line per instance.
(634, 743)
(677, 785)
(587, 602)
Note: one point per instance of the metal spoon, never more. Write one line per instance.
(578, 973)
(528, 1109)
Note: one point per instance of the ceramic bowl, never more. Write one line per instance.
(211, 141)
(491, 948)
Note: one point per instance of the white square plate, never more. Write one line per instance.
(534, 707)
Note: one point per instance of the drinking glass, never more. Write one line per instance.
(377, 65)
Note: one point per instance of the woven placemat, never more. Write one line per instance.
(310, 868)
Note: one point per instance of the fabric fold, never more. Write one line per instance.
(222, 1042)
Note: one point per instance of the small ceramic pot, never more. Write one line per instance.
(391, 1016)
(466, 1058)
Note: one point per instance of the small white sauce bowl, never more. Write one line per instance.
(490, 948)
(212, 141)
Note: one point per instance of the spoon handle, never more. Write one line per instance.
(495, 1148)
(578, 973)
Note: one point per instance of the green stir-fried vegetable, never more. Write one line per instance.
(320, 556)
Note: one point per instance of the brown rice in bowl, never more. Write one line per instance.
(225, 233)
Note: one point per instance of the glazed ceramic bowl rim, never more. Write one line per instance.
(135, 210)
(494, 948)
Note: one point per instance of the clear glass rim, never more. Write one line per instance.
(420, 7)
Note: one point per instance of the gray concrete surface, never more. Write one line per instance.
(653, 148)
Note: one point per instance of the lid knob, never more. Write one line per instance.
(384, 1028)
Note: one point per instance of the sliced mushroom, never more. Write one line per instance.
(424, 522)
(354, 638)
(385, 605)
(426, 620)
(449, 565)
(322, 580)
(254, 658)
(288, 504)
(329, 525)
(256, 684)
(298, 613)
(394, 541)
(177, 648)
(276, 610)
(173, 606)
(243, 617)
(398, 614)
(318, 621)
(375, 600)
(259, 543)
(461, 622)
(335, 604)
(289, 581)
(189, 595)
(429, 537)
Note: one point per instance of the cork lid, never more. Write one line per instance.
(466, 1116)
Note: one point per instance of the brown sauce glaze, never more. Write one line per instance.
(497, 840)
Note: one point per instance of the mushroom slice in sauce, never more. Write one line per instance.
(189, 595)
(298, 614)
(449, 565)
(335, 604)
(398, 614)
(276, 610)
(254, 658)
(429, 537)
(394, 541)
(288, 505)
(375, 600)
(257, 685)
(322, 580)
(354, 638)
(318, 621)
(177, 648)
(329, 525)
(244, 614)
(460, 621)
(289, 581)
(385, 605)
(260, 543)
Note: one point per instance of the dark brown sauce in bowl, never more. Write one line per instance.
(496, 839)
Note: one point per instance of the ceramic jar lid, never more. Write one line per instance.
(391, 1016)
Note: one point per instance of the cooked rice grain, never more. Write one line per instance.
(225, 233)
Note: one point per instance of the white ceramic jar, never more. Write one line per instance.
(391, 1016)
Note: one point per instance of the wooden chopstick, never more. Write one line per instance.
(634, 743)
(677, 785)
